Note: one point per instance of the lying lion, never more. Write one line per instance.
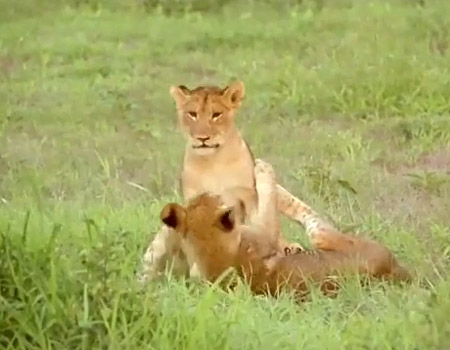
(214, 239)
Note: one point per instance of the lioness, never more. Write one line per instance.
(216, 159)
(215, 239)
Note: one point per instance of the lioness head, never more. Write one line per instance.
(206, 114)
(209, 232)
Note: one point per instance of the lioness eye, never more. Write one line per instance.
(193, 115)
(216, 115)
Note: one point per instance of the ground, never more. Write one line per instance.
(348, 100)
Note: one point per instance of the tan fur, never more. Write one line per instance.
(215, 239)
(224, 163)
(216, 160)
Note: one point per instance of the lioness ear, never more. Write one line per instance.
(179, 93)
(235, 93)
(226, 219)
(173, 215)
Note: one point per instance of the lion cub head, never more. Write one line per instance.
(209, 232)
(206, 114)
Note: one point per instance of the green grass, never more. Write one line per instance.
(348, 99)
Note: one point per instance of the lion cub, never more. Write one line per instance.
(214, 239)
(216, 160)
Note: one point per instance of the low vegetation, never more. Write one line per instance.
(349, 100)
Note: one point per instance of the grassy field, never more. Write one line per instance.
(349, 100)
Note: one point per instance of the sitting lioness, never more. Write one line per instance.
(215, 239)
(216, 159)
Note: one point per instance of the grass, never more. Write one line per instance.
(349, 100)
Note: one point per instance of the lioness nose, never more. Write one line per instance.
(203, 138)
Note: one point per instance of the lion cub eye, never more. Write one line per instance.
(193, 115)
(216, 115)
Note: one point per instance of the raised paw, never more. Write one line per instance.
(293, 248)
(262, 167)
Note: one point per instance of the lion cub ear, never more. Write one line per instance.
(173, 215)
(179, 93)
(226, 219)
(234, 93)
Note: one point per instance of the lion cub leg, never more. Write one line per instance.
(266, 214)
(290, 206)
(164, 251)
(330, 239)
(321, 234)
(318, 230)
(267, 211)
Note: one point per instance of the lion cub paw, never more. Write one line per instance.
(293, 248)
(263, 168)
